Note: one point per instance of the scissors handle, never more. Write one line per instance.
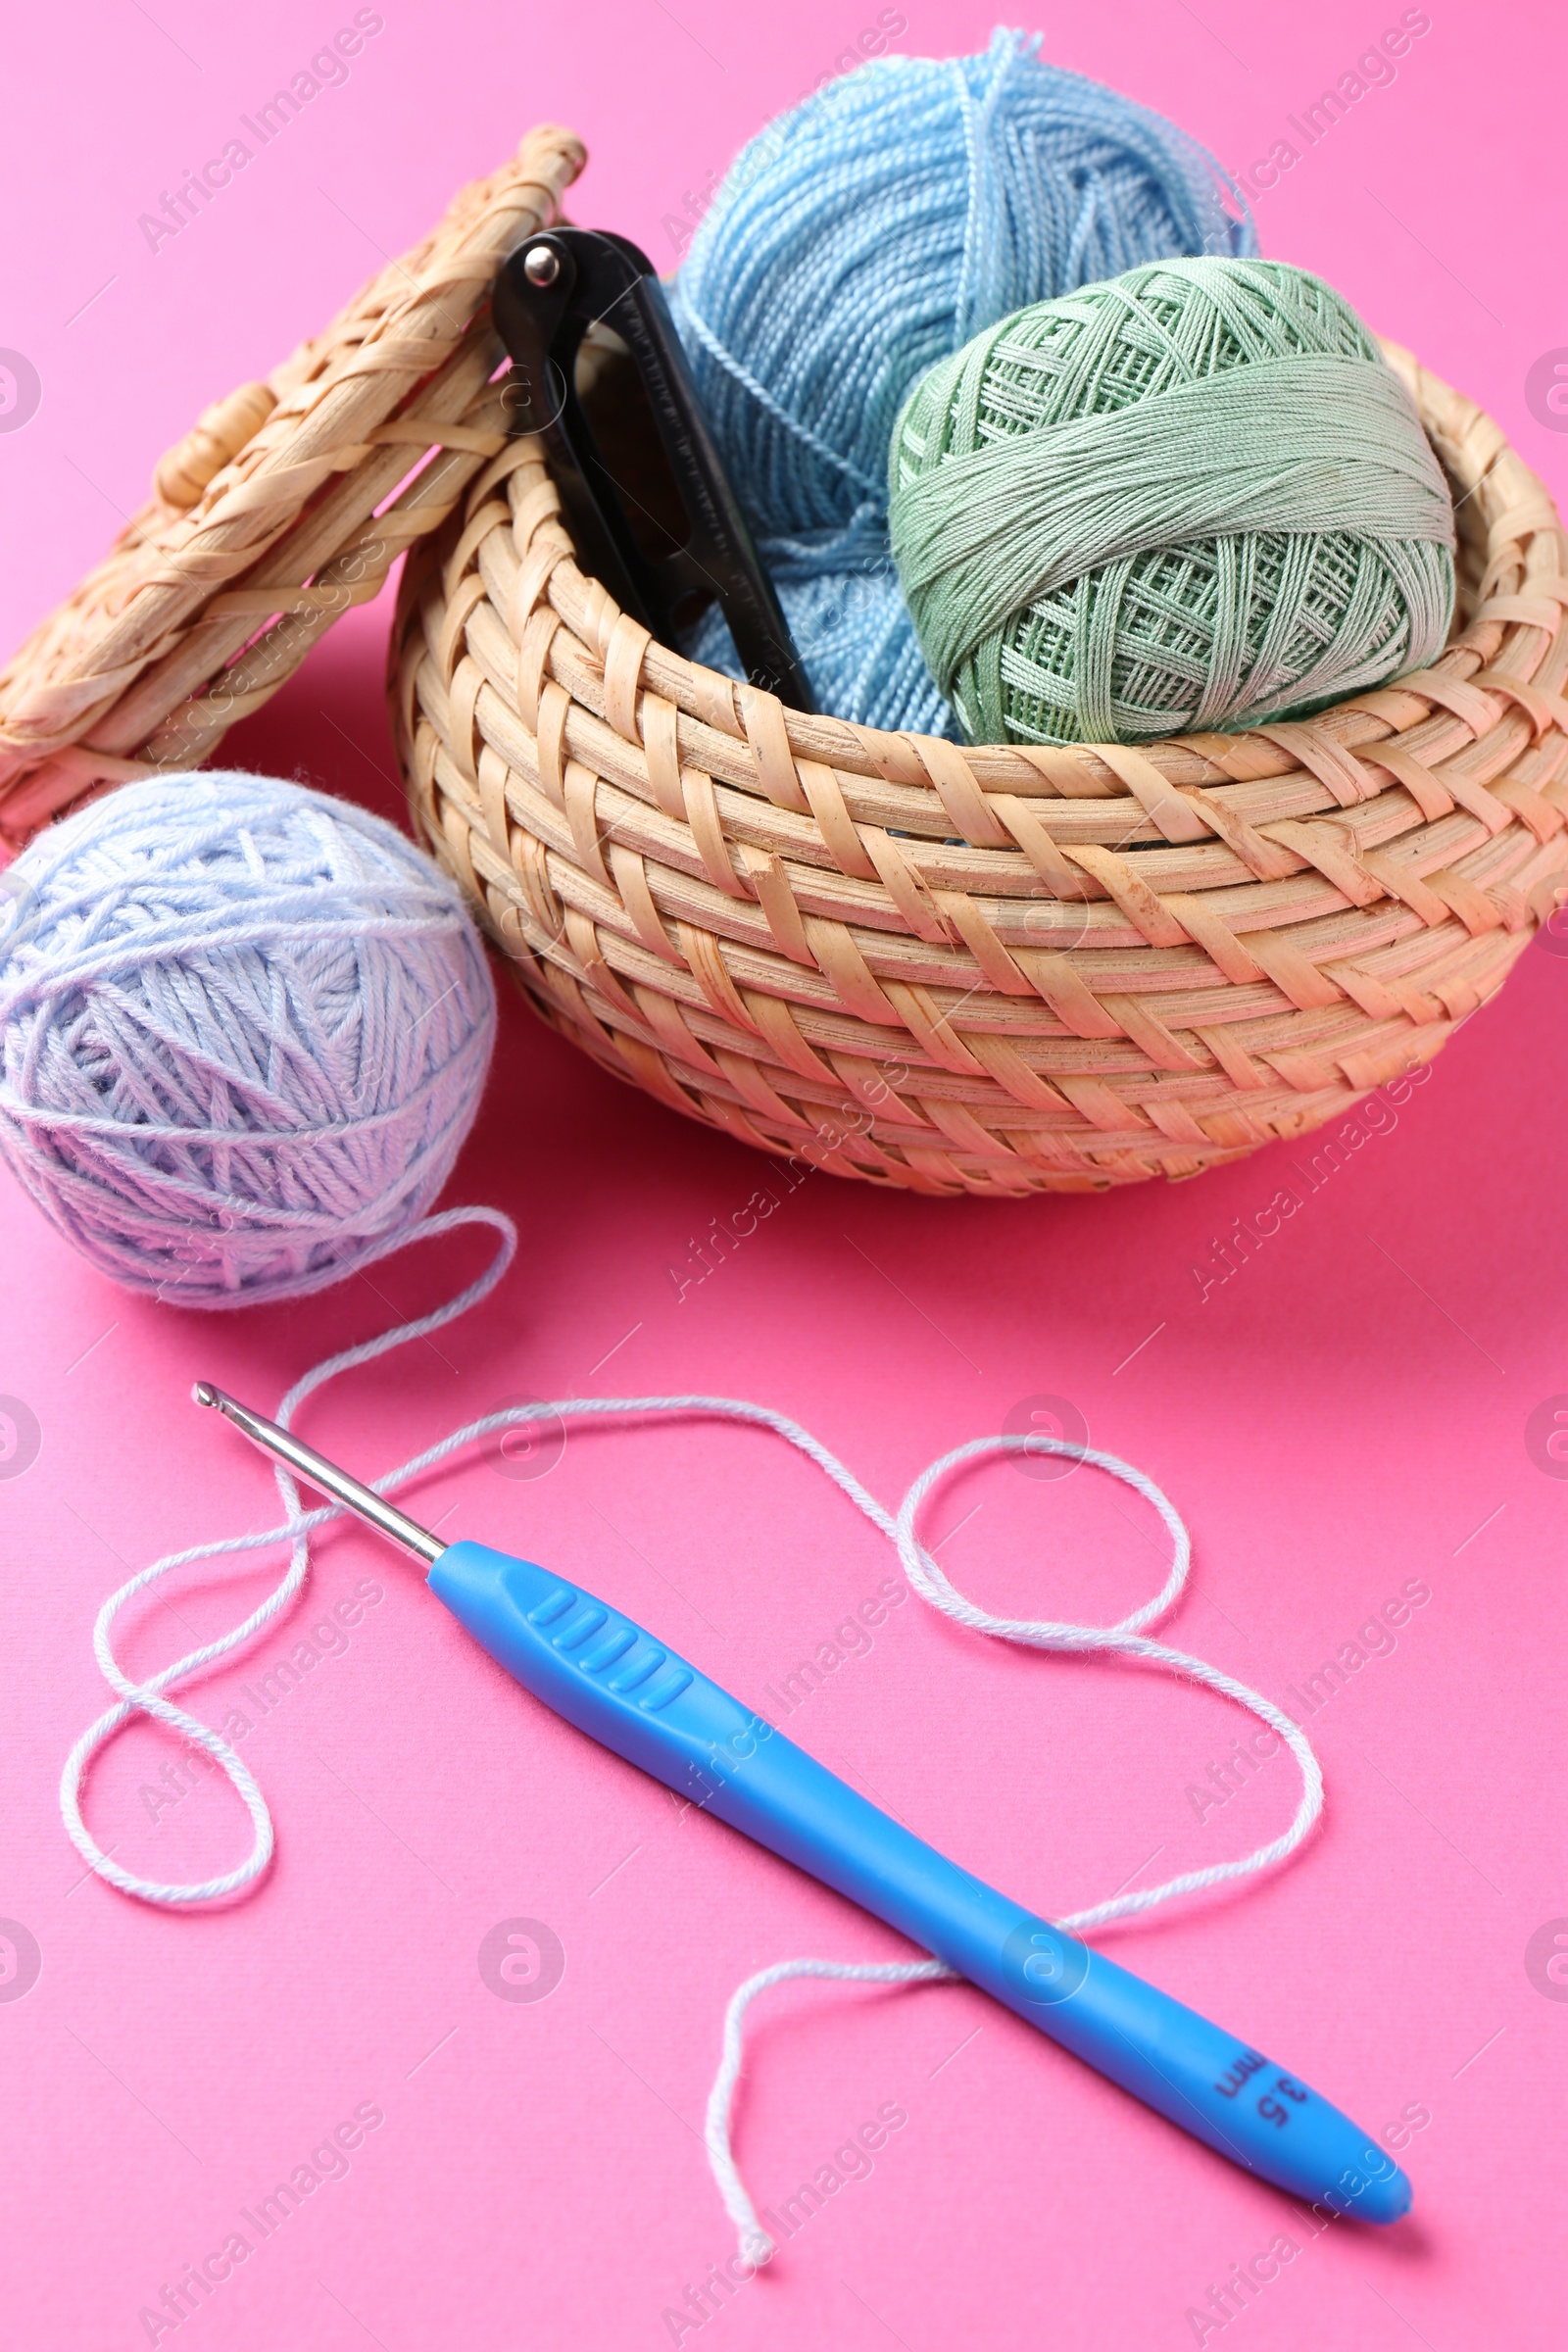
(551, 291)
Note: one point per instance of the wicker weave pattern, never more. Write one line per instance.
(1128, 962)
(995, 970)
(271, 517)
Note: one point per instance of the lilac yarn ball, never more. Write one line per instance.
(244, 1029)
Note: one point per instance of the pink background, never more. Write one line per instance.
(1348, 1413)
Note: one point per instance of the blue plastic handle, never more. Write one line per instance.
(634, 1695)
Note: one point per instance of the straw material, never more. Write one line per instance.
(264, 527)
(992, 970)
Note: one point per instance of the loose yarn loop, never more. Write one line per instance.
(146, 1698)
(1192, 498)
(1126, 1637)
(858, 240)
(246, 1028)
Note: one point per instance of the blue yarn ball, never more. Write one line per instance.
(860, 239)
(244, 1029)
(851, 626)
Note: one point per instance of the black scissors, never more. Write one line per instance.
(679, 539)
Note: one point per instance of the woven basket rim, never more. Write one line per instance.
(1477, 457)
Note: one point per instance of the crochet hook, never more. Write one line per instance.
(632, 1693)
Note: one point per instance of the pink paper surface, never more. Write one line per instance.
(1345, 1417)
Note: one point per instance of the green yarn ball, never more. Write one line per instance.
(1195, 496)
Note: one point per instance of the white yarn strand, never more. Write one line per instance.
(755, 2244)
(144, 1698)
(1125, 1639)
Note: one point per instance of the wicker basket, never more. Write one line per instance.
(992, 971)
